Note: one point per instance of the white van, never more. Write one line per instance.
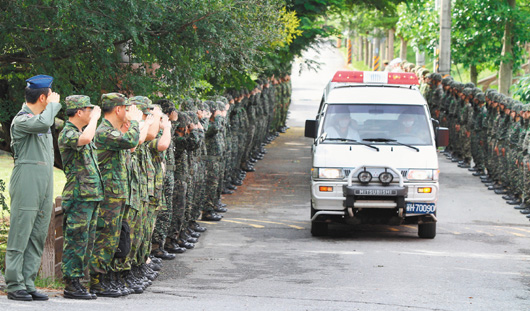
(374, 153)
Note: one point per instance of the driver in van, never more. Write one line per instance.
(343, 127)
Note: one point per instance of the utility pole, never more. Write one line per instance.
(444, 65)
(390, 54)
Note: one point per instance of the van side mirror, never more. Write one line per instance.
(311, 127)
(442, 137)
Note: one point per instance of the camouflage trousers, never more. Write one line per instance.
(79, 228)
(199, 191)
(163, 220)
(179, 208)
(513, 171)
(134, 219)
(108, 230)
(477, 151)
(149, 224)
(526, 178)
(213, 177)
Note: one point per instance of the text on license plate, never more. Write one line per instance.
(421, 208)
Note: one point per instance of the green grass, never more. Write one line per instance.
(49, 283)
(6, 167)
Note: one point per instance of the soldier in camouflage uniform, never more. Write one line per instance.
(113, 151)
(478, 134)
(503, 126)
(164, 218)
(512, 155)
(82, 192)
(525, 180)
(215, 145)
(465, 118)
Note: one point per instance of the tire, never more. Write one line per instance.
(319, 228)
(427, 230)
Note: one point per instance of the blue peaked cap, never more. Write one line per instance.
(39, 82)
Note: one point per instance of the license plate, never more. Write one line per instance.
(421, 208)
(375, 192)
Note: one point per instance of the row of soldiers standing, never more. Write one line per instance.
(488, 129)
(139, 182)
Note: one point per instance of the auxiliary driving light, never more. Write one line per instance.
(425, 190)
(386, 178)
(325, 189)
(364, 177)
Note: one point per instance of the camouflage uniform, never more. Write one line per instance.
(113, 152)
(215, 148)
(81, 195)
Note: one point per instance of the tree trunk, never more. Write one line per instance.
(473, 74)
(361, 51)
(403, 52)
(370, 54)
(420, 58)
(390, 55)
(366, 51)
(506, 67)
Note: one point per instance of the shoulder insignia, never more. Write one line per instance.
(115, 133)
(69, 134)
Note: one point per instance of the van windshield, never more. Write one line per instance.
(378, 124)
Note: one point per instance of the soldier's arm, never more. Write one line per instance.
(215, 126)
(116, 140)
(38, 124)
(90, 129)
(165, 138)
(69, 139)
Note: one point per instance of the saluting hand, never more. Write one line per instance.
(149, 120)
(165, 124)
(53, 98)
(96, 113)
(134, 114)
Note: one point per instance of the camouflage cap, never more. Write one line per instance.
(469, 85)
(525, 107)
(447, 80)
(183, 119)
(480, 97)
(437, 77)
(111, 100)
(188, 105)
(205, 106)
(517, 107)
(78, 101)
(221, 106)
(143, 103)
(467, 91)
(167, 106)
(459, 86)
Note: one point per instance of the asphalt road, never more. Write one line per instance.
(261, 256)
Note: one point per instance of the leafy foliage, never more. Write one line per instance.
(418, 24)
(521, 90)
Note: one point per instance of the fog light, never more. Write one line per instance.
(364, 177)
(386, 178)
(325, 189)
(425, 190)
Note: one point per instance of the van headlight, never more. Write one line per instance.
(328, 173)
(416, 175)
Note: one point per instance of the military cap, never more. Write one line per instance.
(476, 90)
(469, 85)
(193, 117)
(143, 103)
(188, 105)
(39, 82)
(437, 77)
(221, 106)
(78, 101)
(167, 106)
(525, 107)
(480, 97)
(205, 106)
(183, 119)
(517, 106)
(459, 86)
(447, 80)
(467, 91)
(111, 100)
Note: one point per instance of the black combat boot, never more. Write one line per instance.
(99, 287)
(74, 290)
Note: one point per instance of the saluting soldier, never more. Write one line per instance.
(82, 192)
(112, 149)
(31, 187)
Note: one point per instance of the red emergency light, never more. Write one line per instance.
(347, 76)
(402, 78)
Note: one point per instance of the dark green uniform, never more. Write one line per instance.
(81, 196)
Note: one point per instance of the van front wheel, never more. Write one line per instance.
(427, 230)
(319, 228)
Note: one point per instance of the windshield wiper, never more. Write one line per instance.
(387, 140)
(353, 141)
